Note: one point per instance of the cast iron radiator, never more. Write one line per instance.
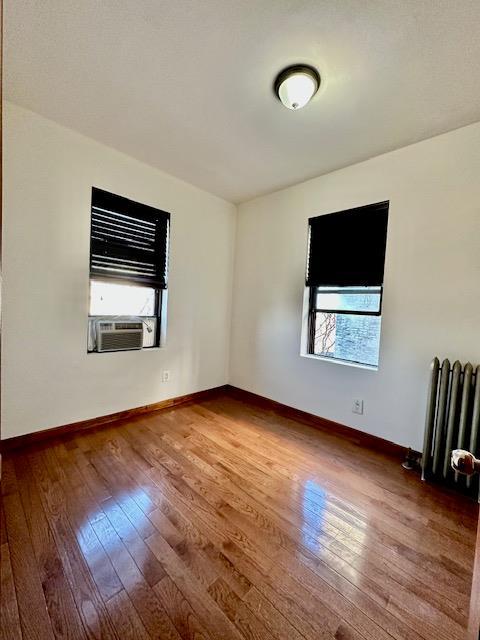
(452, 422)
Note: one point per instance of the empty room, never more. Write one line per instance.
(240, 320)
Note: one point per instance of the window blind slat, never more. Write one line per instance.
(104, 226)
(129, 240)
(347, 248)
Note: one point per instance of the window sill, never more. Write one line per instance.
(344, 363)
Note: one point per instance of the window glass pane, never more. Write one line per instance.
(347, 337)
(349, 299)
(111, 299)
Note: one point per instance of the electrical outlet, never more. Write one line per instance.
(166, 376)
(357, 406)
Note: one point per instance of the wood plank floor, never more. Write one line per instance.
(222, 520)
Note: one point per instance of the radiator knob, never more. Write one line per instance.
(465, 462)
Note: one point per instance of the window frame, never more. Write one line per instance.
(313, 310)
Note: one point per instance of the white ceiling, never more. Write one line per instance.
(186, 85)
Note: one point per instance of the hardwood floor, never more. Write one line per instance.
(222, 520)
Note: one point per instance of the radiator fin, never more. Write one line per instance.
(475, 419)
(439, 440)
(452, 415)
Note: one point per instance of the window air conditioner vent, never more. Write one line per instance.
(119, 336)
(128, 325)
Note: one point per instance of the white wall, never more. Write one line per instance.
(432, 285)
(48, 378)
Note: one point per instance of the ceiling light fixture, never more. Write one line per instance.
(295, 86)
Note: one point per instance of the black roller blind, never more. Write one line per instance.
(347, 248)
(129, 241)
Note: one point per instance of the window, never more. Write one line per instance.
(128, 265)
(345, 281)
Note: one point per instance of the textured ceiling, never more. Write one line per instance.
(186, 85)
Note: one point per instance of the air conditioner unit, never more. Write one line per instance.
(121, 335)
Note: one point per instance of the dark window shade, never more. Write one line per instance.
(347, 248)
(129, 241)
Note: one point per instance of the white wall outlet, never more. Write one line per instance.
(357, 406)
(166, 376)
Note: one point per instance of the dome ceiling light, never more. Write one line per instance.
(295, 86)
